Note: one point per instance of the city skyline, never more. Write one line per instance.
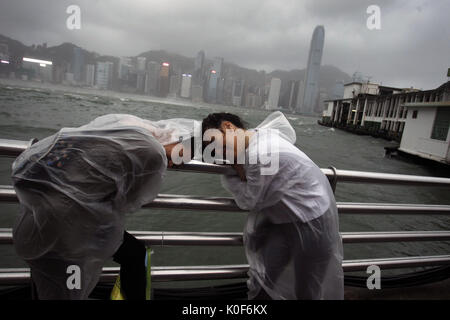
(267, 35)
(214, 80)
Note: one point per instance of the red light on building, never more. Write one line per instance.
(166, 64)
(213, 71)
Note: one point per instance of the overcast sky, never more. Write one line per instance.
(411, 49)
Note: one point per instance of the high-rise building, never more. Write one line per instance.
(236, 94)
(197, 93)
(199, 68)
(125, 68)
(301, 92)
(164, 81)
(174, 85)
(293, 94)
(214, 76)
(311, 84)
(220, 90)
(141, 63)
(78, 64)
(186, 85)
(274, 94)
(104, 75)
(151, 79)
(90, 75)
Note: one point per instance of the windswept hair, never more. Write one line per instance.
(214, 120)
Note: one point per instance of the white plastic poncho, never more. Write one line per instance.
(74, 189)
(291, 237)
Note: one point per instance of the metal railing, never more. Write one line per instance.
(12, 148)
(12, 276)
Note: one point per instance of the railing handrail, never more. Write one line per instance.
(13, 148)
(13, 276)
(165, 238)
(187, 202)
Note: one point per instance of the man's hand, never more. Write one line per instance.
(240, 171)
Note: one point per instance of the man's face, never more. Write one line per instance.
(233, 139)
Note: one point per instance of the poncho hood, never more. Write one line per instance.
(278, 121)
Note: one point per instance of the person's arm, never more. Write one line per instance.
(251, 194)
(143, 179)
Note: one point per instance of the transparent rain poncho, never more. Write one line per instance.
(75, 188)
(291, 236)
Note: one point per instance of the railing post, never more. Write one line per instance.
(32, 141)
(333, 180)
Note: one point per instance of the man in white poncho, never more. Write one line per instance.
(291, 236)
(75, 188)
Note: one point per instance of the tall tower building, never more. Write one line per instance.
(104, 75)
(236, 94)
(141, 63)
(293, 94)
(151, 78)
(311, 82)
(125, 67)
(186, 85)
(164, 79)
(175, 85)
(214, 76)
(199, 66)
(78, 64)
(274, 94)
(90, 75)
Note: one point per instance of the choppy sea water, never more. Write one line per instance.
(28, 111)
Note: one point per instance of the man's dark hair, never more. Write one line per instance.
(214, 120)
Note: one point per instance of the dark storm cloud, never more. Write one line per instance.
(411, 49)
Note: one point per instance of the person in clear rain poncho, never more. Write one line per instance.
(291, 236)
(75, 188)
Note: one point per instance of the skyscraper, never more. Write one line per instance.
(293, 94)
(186, 85)
(197, 93)
(141, 63)
(215, 74)
(104, 75)
(125, 67)
(174, 85)
(164, 79)
(78, 64)
(151, 79)
(311, 82)
(199, 67)
(236, 94)
(274, 94)
(90, 75)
